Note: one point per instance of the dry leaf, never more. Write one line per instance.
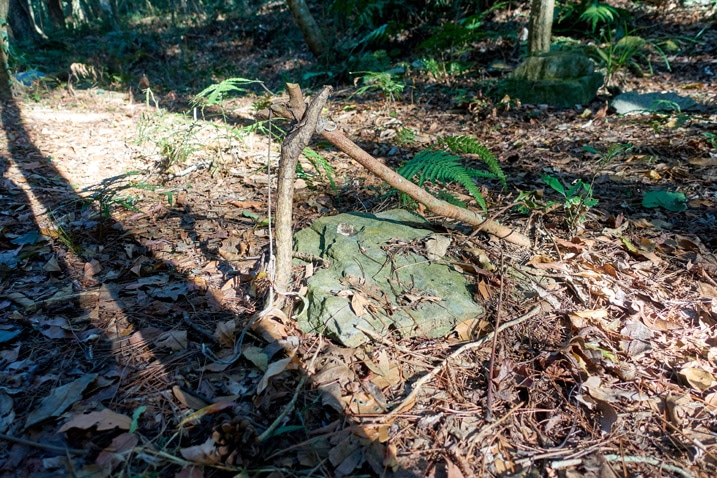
(204, 454)
(175, 340)
(103, 420)
(187, 399)
(60, 399)
(359, 303)
(117, 451)
(697, 378)
(272, 370)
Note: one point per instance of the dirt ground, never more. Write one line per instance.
(133, 255)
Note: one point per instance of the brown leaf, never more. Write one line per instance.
(359, 303)
(204, 454)
(117, 451)
(60, 399)
(103, 420)
(274, 369)
(189, 400)
(175, 340)
(698, 378)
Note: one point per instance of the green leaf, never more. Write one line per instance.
(672, 201)
(135, 418)
(628, 244)
(554, 183)
(590, 149)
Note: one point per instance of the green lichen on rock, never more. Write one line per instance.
(376, 260)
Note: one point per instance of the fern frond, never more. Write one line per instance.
(470, 145)
(441, 166)
(322, 166)
(215, 94)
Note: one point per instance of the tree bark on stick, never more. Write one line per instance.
(395, 180)
(292, 147)
(436, 205)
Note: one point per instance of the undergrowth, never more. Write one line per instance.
(442, 167)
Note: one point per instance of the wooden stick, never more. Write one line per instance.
(395, 180)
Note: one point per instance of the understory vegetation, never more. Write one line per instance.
(139, 332)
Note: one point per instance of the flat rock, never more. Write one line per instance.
(380, 279)
(634, 102)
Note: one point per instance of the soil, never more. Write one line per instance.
(136, 337)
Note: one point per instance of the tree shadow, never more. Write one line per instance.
(87, 321)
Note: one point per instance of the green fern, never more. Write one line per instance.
(321, 165)
(470, 145)
(216, 93)
(443, 167)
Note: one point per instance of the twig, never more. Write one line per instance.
(406, 403)
(649, 461)
(44, 446)
(491, 367)
(290, 406)
(382, 340)
(194, 167)
(337, 138)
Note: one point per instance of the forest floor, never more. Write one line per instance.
(133, 242)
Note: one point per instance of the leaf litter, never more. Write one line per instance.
(120, 349)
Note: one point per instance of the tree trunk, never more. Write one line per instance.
(56, 13)
(541, 26)
(5, 91)
(309, 28)
(21, 22)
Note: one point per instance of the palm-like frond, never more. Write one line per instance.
(216, 93)
(470, 145)
(441, 166)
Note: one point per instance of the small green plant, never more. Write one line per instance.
(597, 13)
(439, 166)
(711, 139)
(386, 82)
(577, 199)
(321, 165)
(107, 193)
(622, 49)
(405, 136)
(217, 93)
(613, 151)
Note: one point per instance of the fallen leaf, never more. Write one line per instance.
(697, 378)
(103, 420)
(117, 451)
(60, 399)
(257, 356)
(175, 340)
(274, 369)
(204, 454)
(359, 303)
(7, 412)
(189, 400)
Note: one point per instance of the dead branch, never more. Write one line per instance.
(292, 147)
(395, 180)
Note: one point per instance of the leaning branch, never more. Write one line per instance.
(395, 180)
(436, 205)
